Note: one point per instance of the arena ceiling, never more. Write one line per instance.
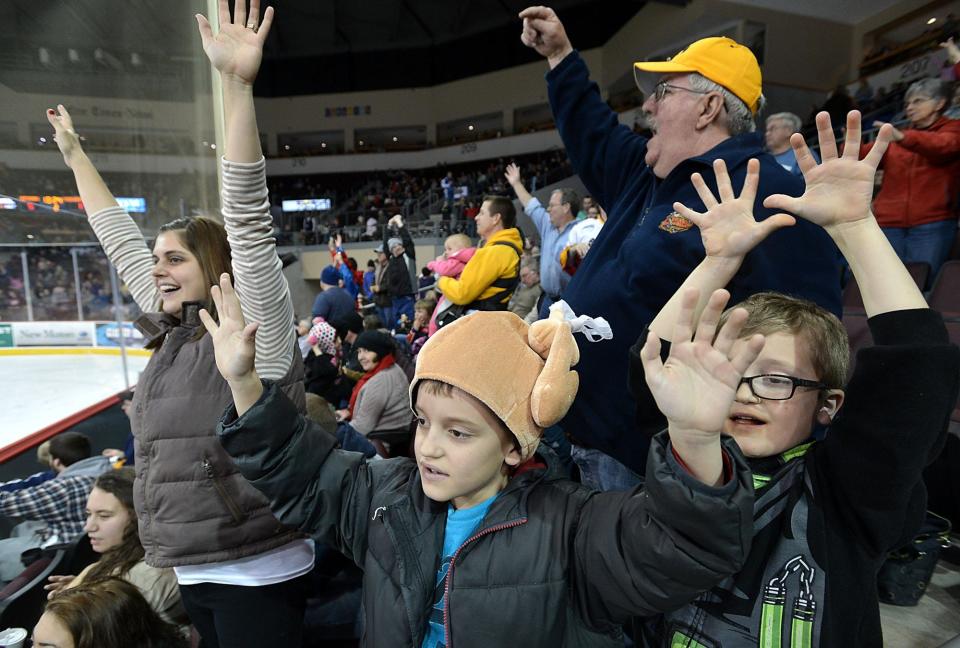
(316, 46)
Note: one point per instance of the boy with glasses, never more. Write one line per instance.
(827, 511)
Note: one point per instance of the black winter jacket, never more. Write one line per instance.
(399, 279)
(554, 564)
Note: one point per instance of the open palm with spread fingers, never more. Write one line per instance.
(728, 228)
(840, 189)
(234, 341)
(695, 387)
(237, 49)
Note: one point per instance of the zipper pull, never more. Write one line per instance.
(378, 512)
(207, 468)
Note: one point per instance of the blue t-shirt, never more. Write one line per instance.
(788, 160)
(460, 525)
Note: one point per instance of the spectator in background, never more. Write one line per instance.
(470, 217)
(400, 276)
(381, 297)
(524, 301)
(581, 238)
(425, 282)
(493, 272)
(863, 97)
(43, 458)
(371, 232)
(918, 198)
(585, 206)
(111, 527)
(332, 302)
(457, 252)
(53, 511)
(379, 401)
(838, 104)
(369, 278)
(448, 189)
(553, 225)
(780, 126)
(702, 109)
(107, 614)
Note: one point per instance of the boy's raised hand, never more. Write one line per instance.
(695, 387)
(840, 189)
(64, 135)
(237, 49)
(728, 228)
(233, 339)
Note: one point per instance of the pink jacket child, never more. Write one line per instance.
(452, 266)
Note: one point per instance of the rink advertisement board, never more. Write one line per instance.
(108, 335)
(6, 335)
(53, 334)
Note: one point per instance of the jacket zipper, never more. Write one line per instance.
(222, 491)
(447, 635)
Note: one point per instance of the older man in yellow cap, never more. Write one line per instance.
(701, 105)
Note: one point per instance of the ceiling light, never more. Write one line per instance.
(931, 21)
(323, 145)
(360, 142)
(286, 147)
(470, 127)
(394, 138)
(213, 146)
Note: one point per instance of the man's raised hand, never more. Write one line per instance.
(544, 32)
(840, 189)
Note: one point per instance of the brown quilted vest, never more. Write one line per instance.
(193, 506)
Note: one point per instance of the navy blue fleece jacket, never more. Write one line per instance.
(645, 251)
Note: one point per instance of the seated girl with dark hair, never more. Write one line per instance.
(112, 528)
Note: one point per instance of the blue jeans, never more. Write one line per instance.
(602, 472)
(929, 242)
(353, 441)
(386, 315)
(401, 306)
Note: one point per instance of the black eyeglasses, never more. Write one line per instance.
(778, 387)
(660, 90)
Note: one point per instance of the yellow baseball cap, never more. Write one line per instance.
(718, 58)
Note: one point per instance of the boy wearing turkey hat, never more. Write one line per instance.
(479, 541)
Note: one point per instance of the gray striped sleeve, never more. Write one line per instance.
(257, 270)
(125, 247)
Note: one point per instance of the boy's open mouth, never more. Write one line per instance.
(745, 419)
(429, 472)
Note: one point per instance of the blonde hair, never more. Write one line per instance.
(461, 241)
(826, 339)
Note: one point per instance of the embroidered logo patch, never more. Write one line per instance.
(675, 223)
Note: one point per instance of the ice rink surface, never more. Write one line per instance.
(39, 387)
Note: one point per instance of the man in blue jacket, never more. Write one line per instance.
(701, 109)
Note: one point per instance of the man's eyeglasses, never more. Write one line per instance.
(661, 90)
(777, 387)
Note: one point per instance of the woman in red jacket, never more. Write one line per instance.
(918, 201)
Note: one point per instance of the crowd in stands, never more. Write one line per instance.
(559, 440)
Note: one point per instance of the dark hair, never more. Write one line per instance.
(352, 263)
(112, 613)
(206, 239)
(425, 271)
(504, 207)
(70, 447)
(372, 323)
(119, 560)
(371, 263)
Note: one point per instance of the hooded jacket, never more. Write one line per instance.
(553, 563)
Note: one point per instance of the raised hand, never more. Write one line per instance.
(953, 52)
(512, 174)
(727, 228)
(840, 189)
(237, 49)
(64, 135)
(544, 32)
(233, 339)
(695, 387)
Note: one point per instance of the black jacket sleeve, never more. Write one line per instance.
(311, 485)
(892, 424)
(653, 549)
(408, 246)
